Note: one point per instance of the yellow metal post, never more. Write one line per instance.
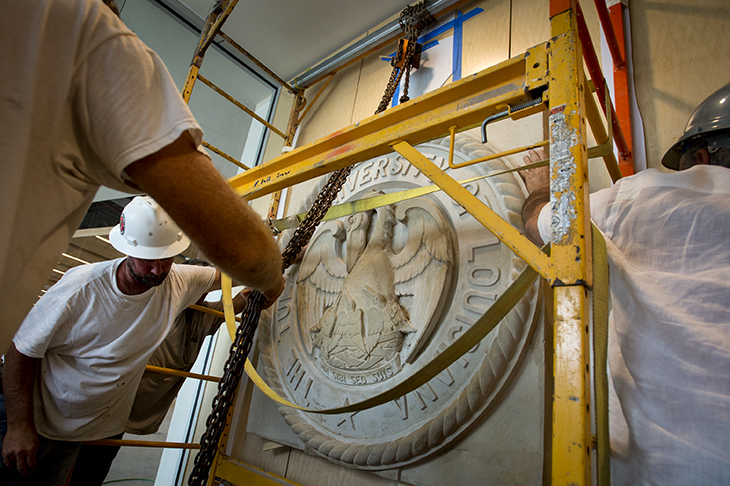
(571, 264)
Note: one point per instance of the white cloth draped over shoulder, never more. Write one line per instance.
(669, 329)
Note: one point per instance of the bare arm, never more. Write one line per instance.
(538, 185)
(21, 440)
(187, 185)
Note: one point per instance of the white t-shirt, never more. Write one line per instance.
(668, 238)
(95, 341)
(81, 97)
(179, 351)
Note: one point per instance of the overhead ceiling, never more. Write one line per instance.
(289, 36)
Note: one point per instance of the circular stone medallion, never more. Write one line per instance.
(379, 294)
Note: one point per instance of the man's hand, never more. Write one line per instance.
(19, 448)
(272, 294)
(21, 441)
(538, 178)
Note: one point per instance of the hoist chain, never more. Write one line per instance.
(232, 372)
(233, 369)
(412, 20)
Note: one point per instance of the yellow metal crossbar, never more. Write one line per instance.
(224, 155)
(465, 103)
(240, 105)
(501, 229)
(184, 374)
(144, 443)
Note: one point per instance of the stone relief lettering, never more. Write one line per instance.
(487, 242)
(296, 374)
(425, 393)
(308, 388)
(380, 171)
(462, 361)
(283, 330)
(384, 168)
(446, 377)
(359, 380)
(350, 184)
(350, 419)
(483, 275)
(365, 175)
(384, 374)
(475, 301)
(402, 405)
(283, 308)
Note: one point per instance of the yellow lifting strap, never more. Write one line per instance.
(600, 355)
(478, 331)
(467, 341)
(473, 335)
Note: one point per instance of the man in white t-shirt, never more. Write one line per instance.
(72, 372)
(667, 237)
(157, 391)
(85, 103)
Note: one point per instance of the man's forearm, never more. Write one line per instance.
(537, 181)
(200, 201)
(21, 439)
(531, 212)
(19, 372)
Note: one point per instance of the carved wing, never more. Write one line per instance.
(423, 267)
(320, 277)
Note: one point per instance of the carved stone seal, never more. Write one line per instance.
(380, 293)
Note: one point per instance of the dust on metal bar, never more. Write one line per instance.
(216, 18)
(316, 97)
(233, 100)
(258, 63)
(224, 155)
(184, 374)
(143, 443)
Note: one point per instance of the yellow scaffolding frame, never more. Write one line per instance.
(552, 71)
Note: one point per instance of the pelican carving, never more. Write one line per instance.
(371, 288)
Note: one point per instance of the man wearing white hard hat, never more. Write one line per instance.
(86, 342)
(669, 330)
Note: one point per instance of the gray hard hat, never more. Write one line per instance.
(710, 120)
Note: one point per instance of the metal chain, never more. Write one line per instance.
(314, 216)
(232, 372)
(412, 20)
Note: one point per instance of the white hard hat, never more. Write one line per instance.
(146, 231)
